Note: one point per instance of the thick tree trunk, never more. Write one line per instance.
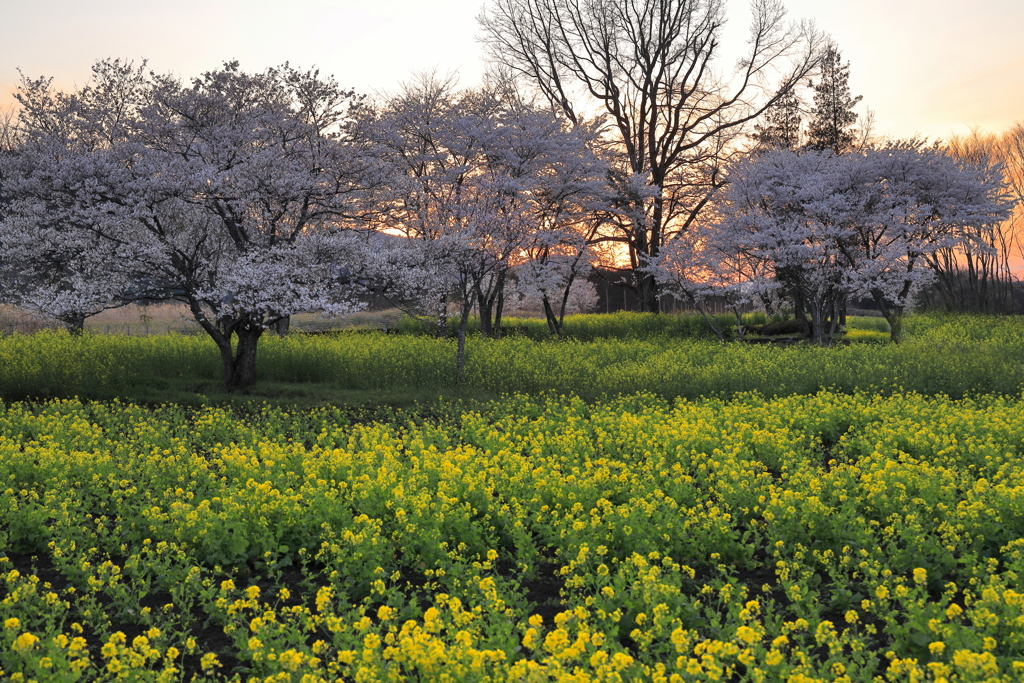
(896, 327)
(75, 324)
(499, 308)
(483, 305)
(647, 289)
(893, 315)
(239, 366)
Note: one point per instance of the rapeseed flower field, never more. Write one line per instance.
(825, 537)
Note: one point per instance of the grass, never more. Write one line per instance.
(621, 353)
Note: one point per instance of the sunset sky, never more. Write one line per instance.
(930, 67)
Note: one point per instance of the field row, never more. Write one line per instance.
(957, 357)
(829, 537)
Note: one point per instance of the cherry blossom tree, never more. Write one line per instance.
(58, 273)
(227, 193)
(861, 224)
(558, 263)
(918, 200)
(477, 177)
(711, 265)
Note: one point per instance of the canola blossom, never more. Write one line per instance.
(826, 537)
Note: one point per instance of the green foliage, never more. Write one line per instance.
(604, 355)
(619, 325)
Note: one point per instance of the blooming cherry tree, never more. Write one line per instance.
(861, 224)
(226, 193)
(476, 176)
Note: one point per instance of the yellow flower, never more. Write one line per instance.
(208, 662)
(936, 647)
(920, 575)
(621, 660)
(291, 659)
(323, 598)
(12, 623)
(747, 635)
(26, 641)
(530, 638)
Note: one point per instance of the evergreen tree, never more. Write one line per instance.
(781, 124)
(833, 116)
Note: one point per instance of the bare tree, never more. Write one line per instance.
(977, 275)
(9, 135)
(649, 66)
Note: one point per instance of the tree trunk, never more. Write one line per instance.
(499, 308)
(893, 315)
(648, 291)
(554, 324)
(896, 327)
(75, 324)
(283, 325)
(490, 322)
(442, 319)
(702, 308)
(460, 353)
(483, 306)
(239, 368)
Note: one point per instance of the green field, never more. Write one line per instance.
(651, 505)
(672, 356)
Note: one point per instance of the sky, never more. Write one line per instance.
(925, 67)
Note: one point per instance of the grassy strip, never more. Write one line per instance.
(952, 356)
